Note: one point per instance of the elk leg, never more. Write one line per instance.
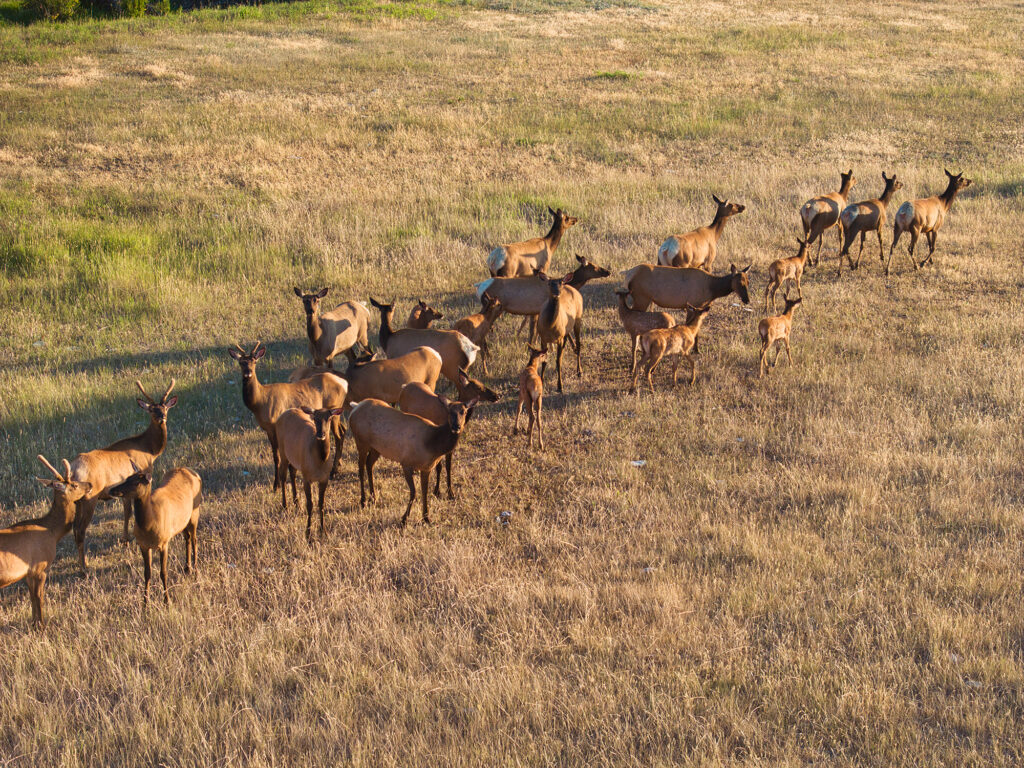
(307, 488)
(558, 360)
(84, 511)
(147, 573)
(163, 575)
(412, 492)
(424, 488)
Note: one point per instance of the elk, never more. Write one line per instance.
(268, 401)
(455, 349)
(925, 216)
(863, 217)
(27, 548)
(678, 341)
(516, 259)
(303, 435)
(384, 379)
(819, 214)
(774, 329)
(561, 316)
(531, 393)
(419, 400)
(675, 287)
(637, 323)
(699, 247)
(336, 331)
(412, 441)
(789, 269)
(423, 315)
(160, 515)
(477, 327)
(105, 467)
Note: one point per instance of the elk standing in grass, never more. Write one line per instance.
(531, 395)
(27, 548)
(455, 349)
(820, 214)
(477, 327)
(679, 341)
(422, 315)
(699, 248)
(412, 441)
(105, 467)
(637, 323)
(334, 332)
(161, 514)
(303, 435)
(560, 321)
(925, 216)
(863, 217)
(775, 329)
(521, 259)
(789, 269)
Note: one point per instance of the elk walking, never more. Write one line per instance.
(775, 329)
(863, 217)
(820, 214)
(699, 248)
(516, 259)
(925, 216)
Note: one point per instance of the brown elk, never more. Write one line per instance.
(637, 323)
(303, 435)
(775, 329)
(560, 320)
(412, 441)
(334, 332)
(27, 548)
(105, 467)
(790, 269)
(531, 395)
(455, 349)
(423, 315)
(863, 217)
(477, 327)
(699, 248)
(678, 341)
(820, 214)
(160, 515)
(925, 216)
(417, 399)
(516, 259)
(268, 401)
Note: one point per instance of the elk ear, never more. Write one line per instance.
(172, 402)
(235, 355)
(259, 353)
(322, 293)
(297, 291)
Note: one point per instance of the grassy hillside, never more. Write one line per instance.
(820, 567)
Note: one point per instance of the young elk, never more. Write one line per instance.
(820, 214)
(698, 248)
(863, 217)
(531, 393)
(423, 315)
(27, 548)
(637, 323)
(774, 329)
(925, 216)
(268, 401)
(477, 327)
(521, 259)
(678, 341)
(105, 467)
(336, 331)
(421, 401)
(560, 316)
(160, 515)
(455, 349)
(303, 435)
(789, 269)
(412, 441)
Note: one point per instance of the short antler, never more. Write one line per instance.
(50, 467)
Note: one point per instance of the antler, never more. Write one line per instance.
(164, 399)
(50, 467)
(145, 394)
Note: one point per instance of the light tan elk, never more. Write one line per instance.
(678, 341)
(423, 315)
(105, 467)
(863, 217)
(699, 247)
(531, 395)
(303, 435)
(675, 287)
(477, 327)
(268, 401)
(820, 214)
(455, 349)
(560, 321)
(160, 515)
(384, 379)
(790, 269)
(412, 441)
(516, 259)
(925, 216)
(334, 332)
(417, 399)
(775, 329)
(27, 548)
(637, 323)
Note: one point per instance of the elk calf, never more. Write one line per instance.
(775, 329)
(782, 270)
(303, 436)
(531, 393)
(678, 341)
(637, 323)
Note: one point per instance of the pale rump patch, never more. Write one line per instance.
(481, 288)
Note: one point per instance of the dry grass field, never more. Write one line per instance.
(822, 567)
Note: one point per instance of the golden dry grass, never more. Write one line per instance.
(823, 567)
